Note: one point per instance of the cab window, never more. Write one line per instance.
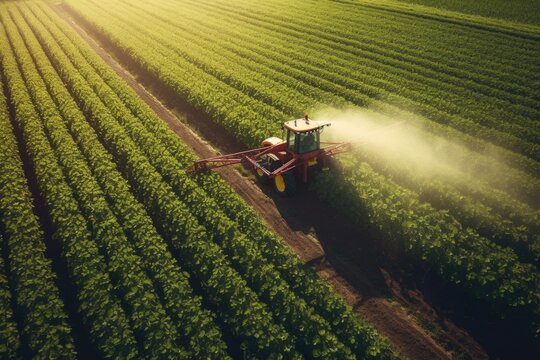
(291, 140)
(309, 142)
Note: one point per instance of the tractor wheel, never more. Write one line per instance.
(285, 184)
(261, 177)
(269, 161)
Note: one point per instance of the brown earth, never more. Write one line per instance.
(345, 256)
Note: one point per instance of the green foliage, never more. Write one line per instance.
(387, 72)
(148, 317)
(497, 217)
(490, 273)
(9, 336)
(191, 319)
(41, 310)
(112, 173)
(99, 306)
(526, 11)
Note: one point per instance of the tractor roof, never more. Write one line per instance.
(301, 125)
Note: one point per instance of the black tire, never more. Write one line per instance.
(285, 184)
(261, 177)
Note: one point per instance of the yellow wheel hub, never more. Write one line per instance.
(280, 183)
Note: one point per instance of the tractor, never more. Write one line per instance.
(285, 162)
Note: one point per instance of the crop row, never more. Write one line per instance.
(130, 125)
(99, 306)
(192, 321)
(44, 321)
(9, 335)
(244, 312)
(153, 327)
(298, 319)
(347, 48)
(232, 115)
(422, 34)
(519, 233)
(246, 27)
(497, 26)
(249, 58)
(529, 187)
(288, 54)
(222, 233)
(255, 83)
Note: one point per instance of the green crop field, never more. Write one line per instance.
(112, 249)
(525, 11)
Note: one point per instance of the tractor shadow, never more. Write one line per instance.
(354, 252)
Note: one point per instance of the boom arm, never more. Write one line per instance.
(231, 159)
(252, 157)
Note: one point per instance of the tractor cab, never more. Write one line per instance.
(303, 135)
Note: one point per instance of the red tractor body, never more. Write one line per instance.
(284, 160)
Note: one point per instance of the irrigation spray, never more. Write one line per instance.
(397, 142)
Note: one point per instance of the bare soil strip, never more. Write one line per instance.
(319, 236)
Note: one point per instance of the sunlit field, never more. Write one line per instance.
(421, 241)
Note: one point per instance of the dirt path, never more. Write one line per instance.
(320, 237)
